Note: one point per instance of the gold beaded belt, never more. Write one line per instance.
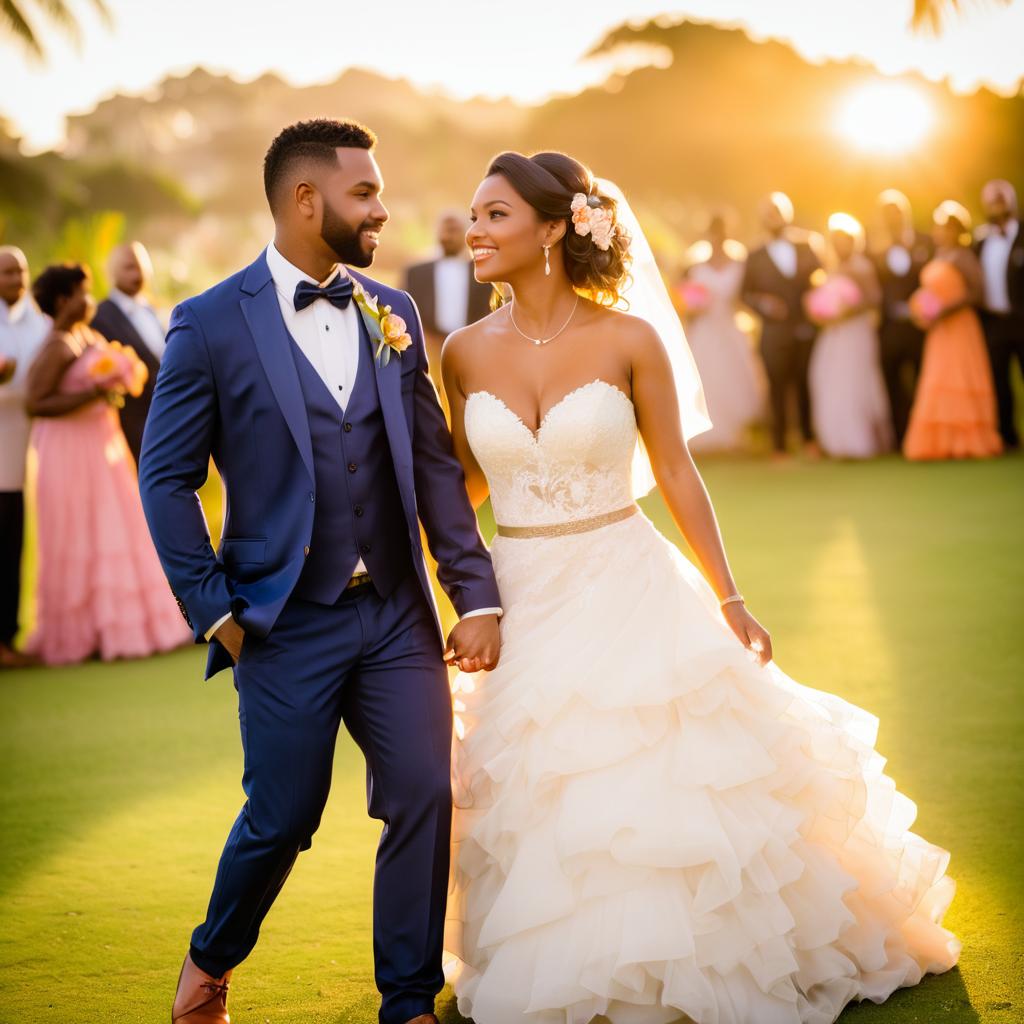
(577, 526)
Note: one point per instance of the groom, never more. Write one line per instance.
(326, 430)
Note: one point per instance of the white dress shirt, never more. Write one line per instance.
(995, 254)
(898, 260)
(451, 293)
(23, 329)
(143, 317)
(783, 254)
(329, 339)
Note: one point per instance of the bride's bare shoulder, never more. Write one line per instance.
(469, 340)
(632, 333)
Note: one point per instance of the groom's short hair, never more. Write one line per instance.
(310, 141)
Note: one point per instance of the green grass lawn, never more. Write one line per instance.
(897, 586)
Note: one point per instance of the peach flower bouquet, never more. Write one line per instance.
(117, 369)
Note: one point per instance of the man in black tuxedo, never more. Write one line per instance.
(777, 277)
(126, 316)
(899, 259)
(447, 293)
(1000, 247)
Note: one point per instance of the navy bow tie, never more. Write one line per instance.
(337, 293)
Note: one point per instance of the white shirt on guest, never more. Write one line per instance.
(995, 254)
(451, 293)
(783, 254)
(23, 329)
(898, 260)
(143, 317)
(329, 339)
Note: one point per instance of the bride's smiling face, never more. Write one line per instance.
(506, 235)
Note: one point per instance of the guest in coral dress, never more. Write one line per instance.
(100, 589)
(954, 411)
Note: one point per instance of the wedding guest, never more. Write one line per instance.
(22, 330)
(448, 295)
(100, 588)
(127, 316)
(954, 410)
(848, 400)
(708, 299)
(1000, 247)
(899, 258)
(778, 275)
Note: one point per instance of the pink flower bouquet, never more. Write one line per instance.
(925, 307)
(691, 297)
(832, 300)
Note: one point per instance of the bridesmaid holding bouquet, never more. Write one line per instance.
(954, 411)
(100, 589)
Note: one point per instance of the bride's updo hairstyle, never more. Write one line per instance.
(549, 182)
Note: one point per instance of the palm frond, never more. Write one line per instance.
(931, 15)
(14, 22)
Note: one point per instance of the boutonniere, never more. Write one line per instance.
(388, 331)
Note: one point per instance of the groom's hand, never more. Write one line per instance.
(230, 636)
(474, 644)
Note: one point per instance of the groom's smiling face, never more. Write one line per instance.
(351, 214)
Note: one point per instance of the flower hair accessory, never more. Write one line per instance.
(590, 218)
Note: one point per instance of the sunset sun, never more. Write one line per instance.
(885, 117)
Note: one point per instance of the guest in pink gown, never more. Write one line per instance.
(100, 589)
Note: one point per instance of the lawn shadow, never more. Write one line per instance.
(940, 998)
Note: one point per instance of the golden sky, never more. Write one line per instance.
(526, 49)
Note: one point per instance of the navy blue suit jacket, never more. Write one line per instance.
(228, 388)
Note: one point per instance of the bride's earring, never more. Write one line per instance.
(547, 261)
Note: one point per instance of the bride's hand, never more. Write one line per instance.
(751, 633)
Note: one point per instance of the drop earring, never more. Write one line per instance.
(547, 261)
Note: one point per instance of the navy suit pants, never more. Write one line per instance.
(374, 664)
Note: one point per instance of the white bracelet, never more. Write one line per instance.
(732, 599)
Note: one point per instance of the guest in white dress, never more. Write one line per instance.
(22, 331)
(732, 378)
(848, 397)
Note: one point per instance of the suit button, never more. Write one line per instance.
(312, 497)
(351, 467)
(348, 428)
(364, 549)
(358, 510)
(305, 551)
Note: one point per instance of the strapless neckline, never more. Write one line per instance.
(564, 400)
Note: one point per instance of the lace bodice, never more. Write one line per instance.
(577, 465)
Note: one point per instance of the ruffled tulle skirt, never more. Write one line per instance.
(651, 828)
(100, 588)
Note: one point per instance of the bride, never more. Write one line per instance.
(653, 823)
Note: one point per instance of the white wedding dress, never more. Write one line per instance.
(650, 827)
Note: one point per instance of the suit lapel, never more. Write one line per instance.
(389, 389)
(128, 335)
(262, 313)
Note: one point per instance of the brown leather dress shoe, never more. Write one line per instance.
(200, 999)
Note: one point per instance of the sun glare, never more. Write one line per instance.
(887, 117)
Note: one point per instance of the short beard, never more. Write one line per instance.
(342, 240)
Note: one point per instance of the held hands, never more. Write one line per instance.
(474, 644)
(751, 633)
(7, 368)
(230, 636)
